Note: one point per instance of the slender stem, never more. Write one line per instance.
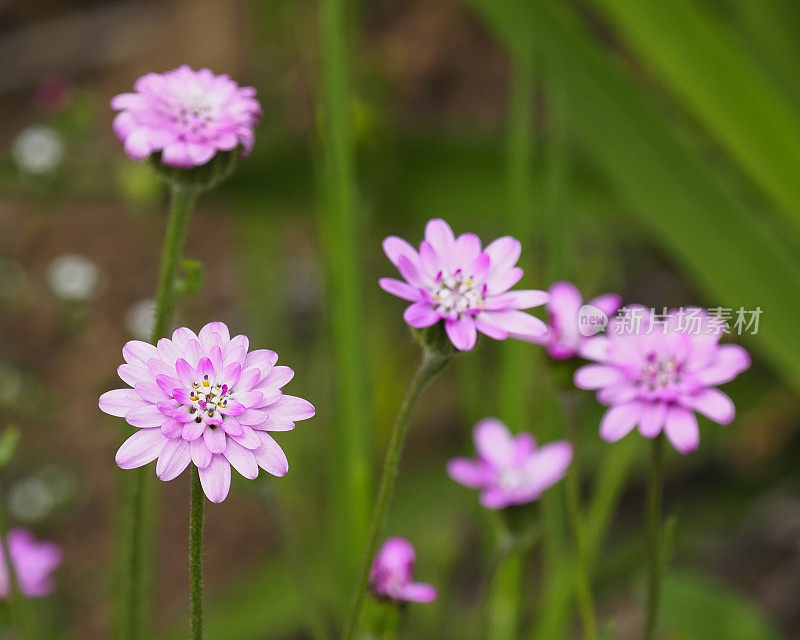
(504, 594)
(195, 557)
(654, 536)
(352, 482)
(431, 364)
(583, 585)
(19, 604)
(138, 525)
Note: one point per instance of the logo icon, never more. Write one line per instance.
(591, 320)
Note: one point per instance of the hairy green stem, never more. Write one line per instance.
(504, 595)
(139, 516)
(195, 556)
(654, 536)
(431, 364)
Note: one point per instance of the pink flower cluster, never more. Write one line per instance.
(188, 116)
(657, 378)
(204, 399)
(392, 574)
(510, 470)
(457, 281)
(33, 561)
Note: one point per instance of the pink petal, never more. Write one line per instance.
(485, 323)
(462, 333)
(172, 428)
(467, 249)
(519, 324)
(138, 353)
(270, 457)
(420, 315)
(713, 404)
(216, 478)
(261, 359)
(730, 361)
(201, 456)
(252, 417)
(504, 253)
(145, 417)
(399, 288)
(681, 429)
(608, 303)
(418, 592)
(120, 401)
(292, 408)
(151, 392)
(131, 374)
(241, 459)
(192, 430)
(278, 377)
(619, 420)
(440, 235)
(597, 376)
(548, 464)
(276, 424)
(528, 298)
(395, 248)
(470, 473)
(500, 282)
(140, 449)
(174, 458)
(215, 440)
(214, 333)
(652, 420)
(494, 442)
(429, 259)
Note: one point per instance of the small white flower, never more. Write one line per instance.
(73, 277)
(38, 149)
(140, 318)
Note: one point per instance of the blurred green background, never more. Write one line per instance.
(641, 147)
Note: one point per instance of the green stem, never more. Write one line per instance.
(351, 485)
(138, 525)
(431, 364)
(19, 604)
(654, 536)
(504, 595)
(195, 557)
(583, 585)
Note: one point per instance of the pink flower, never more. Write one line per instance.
(34, 563)
(656, 375)
(455, 280)
(204, 399)
(186, 115)
(510, 470)
(565, 339)
(392, 573)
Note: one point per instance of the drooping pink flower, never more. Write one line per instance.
(510, 470)
(457, 281)
(392, 574)
(655, 373)
(566, 336)
(186, 115)
(33, 561)
(203, 398)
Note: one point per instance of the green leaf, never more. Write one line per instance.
(9, 441)
(669, 186)
(702, 61)
(695, 607)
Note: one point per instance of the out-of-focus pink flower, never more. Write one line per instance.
(656, 374)
(186, 115)
(456, 280)
(510, 470)
(34, 563)
(565, 338)
(52, 94)
(203, 398)
(392, 574)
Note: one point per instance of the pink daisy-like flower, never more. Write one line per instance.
(203, 398)
(392, 574)
(186, 115)
(566, 337)
(510, 470)
(657, 374)
(34, 563)
(456, 280)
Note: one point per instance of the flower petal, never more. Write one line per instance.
(270, 457)
(242, 460)
(713, 404)
(216, 478)
(140, 449)
(462, 332)
(619, 420)
(174, 458)
(120, 401)
(681, 429)
(420, 315)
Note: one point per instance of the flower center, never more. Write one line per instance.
(207, 400)
(456, 294)
(511, 479)
(660, 374)
(193, 112)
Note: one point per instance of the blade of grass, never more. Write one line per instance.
(339, 219)
(702, 61)
(670, 188)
